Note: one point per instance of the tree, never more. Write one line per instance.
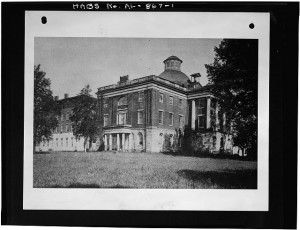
(45, 108)
(233, 77)
(84, 117)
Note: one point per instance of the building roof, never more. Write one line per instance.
(172, 58)
(206, 88)
(175, 76)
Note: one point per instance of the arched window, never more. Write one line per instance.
(140, 136)
(171, 139)
(122, 101)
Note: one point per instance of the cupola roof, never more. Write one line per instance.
(173, 71)
(173, 58)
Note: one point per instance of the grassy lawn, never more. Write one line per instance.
(140, 170)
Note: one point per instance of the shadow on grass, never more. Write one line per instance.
(209, 155)
(81, 185)
(40, 152)
(235, 179)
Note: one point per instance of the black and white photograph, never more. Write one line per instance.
(155, 109)
(145, 113)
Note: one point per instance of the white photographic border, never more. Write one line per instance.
(149, 25)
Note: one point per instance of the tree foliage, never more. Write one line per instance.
(84, 117)
(45, 108)
(234, 79)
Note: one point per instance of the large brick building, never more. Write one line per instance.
(153, 113)
(62, 136)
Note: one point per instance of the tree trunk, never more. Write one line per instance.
(90, 144)
(84, 144)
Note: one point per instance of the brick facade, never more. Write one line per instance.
(153, 114)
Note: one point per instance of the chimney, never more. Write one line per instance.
(56, 98)
(124, 79)
(66, 95)
(195, 76)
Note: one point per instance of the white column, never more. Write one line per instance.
(105, 142)
(133, 141)
(110, 141)
(217, 117)
(123, 141)
(208, 113)
(130, 142)
(126, 141)
(193, 119)
(118, 142)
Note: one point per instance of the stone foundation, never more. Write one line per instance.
(212, 142)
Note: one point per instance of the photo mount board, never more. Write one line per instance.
(258, 9)
(148, 25)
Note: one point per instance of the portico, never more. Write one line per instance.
(120, 140)
(206, 114)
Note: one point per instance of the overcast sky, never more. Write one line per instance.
(71, 63)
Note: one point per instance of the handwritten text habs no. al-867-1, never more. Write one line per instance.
(120, 6)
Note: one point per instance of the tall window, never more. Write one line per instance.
(180, 102)
(57, 142)
(222, 143)
(67, 116)
(141, 96)
(180, 121)
(61, 128)
(161, 117)
(201, 116)
(62, 142)
(71, 141)
(121, 118)
(66, 142)
(105, 120)
(171, 119)
(171, 140)
(140, 136)
(140, 117)
(171, 100)
(161, 97)
(214, 141)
